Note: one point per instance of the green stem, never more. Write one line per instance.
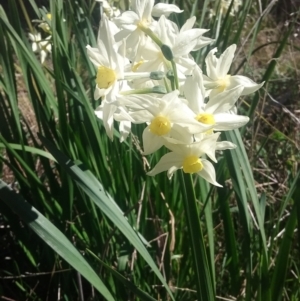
(167, 85)
(155, 39)
(175, 74)
(151, 34)
(204, 281)
(24, 10)
(155, 89)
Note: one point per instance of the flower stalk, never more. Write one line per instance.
(205, 284)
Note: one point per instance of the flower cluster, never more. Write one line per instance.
(40, 45)
(146, 75)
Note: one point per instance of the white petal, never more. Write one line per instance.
(226, 121)
(202, 42)
(99, 112)
(182, 134)
(206, 146)
(112, 92)
(151, 142)
(31, 37)
(49, 47)
(138, 7)
(224, 101)
(208, 173)
(249, 85)
(225, 61)
(108, 119)
(122, 114)
(152, 65)
(185, 64)
(165, 9)
(209, 83)
(186, 41)
(188, 24)
(177, 146)
(194, 90)
(35, 37)
(223, 145)
(133, 42)
(106, 38)
(150, 51)
(165, 31)
(190, 125)
(123, 34)
(147, 9)
(171, 96)
(125, 129)
(127, 18)
(142, 102)
(211, 64)
(168, 161)
(43, 56)
(34, 47)
(96, 57)
(98, 93)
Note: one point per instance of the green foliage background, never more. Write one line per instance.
(79, 218)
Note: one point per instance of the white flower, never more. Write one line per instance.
(166, 117)
(216, 111)
(187, 157)
(218, 79)
(109, 59)
(187, 29)
(131, 23)
(109, 63)
(180, 42)
(134, 22)
(43, 47)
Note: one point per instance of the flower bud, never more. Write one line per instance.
(167, 52)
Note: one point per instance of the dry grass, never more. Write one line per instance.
(273, 138)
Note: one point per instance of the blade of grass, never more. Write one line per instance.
(52, 236)
(204, 281)
(282, 259)
(138, 292)
(93, 188)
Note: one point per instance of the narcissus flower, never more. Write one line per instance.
(218, 80)
(188, 158)
(134, 22)
(43, 47)
(109, 63)
(181, 43)
(166, 117)
(216, 112)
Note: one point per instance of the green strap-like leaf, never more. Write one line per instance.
(52, 236)
(137, 291)
(93, 188)
(282, 259)
(29, 149)
(204, 281)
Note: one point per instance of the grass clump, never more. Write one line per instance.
(106, 231)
